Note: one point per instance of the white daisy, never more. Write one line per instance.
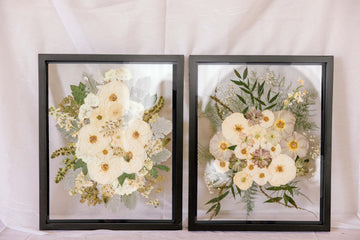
(235, 127)
(243, 180)
(134, 158)
(219, 147)
(90, 141)
(295, 145)
(275, 150)
(284, 122)
(267, 119)
(251, 168)
(114, 92)
(105, 171)
(221, 166)
(272, 136)
(139, 133)
(257, 132)
(98, 117)
(262, 176)
(114, 111)
(105, 153)
(213, 177)
(242, 151)
(118, 139)
(282, 170)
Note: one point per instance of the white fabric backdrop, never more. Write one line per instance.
(170, 27)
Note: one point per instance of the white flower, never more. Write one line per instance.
(118, 139)
(114, 92)
(272, 136)
(295, 145)
(90, 141)
(213, 177)
(284, 122)
(84, 112)
(125, 189)
(243, 180)
(105, 171)
(275, 150)
(267, 119)
(134, 158)
(114, 111)
(136, 110)
(242, 151)
(91, 100)
(98, 117)
(105, 153)
(221, 166)
(122, 74)
(219, 147)
(139, 133)
(161, 127)
(251, 168)
(282, 170)
(261, 176)
(257, 132)
(235, 127)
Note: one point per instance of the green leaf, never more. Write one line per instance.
(245, 73)
(241, 98)
(232, 190)
(252, 98)
(162, 167)
(238, 190)
(232, 147)
(275, 199)
(240, 83)
(270, 107)
(245, 110)
(253, 88)
(123, 176)
(217, 209)
(237, 73)
(274, 98)
(85, 169)
(246, 91)
(210, 209)
(218, 199)
(79, 93)
(268, 95)
(79, 164)
(261, 102)
(289, 199)
(154, 173)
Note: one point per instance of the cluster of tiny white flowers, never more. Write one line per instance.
(62, 119)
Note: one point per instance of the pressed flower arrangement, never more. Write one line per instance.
(264, 140)
(117, 141)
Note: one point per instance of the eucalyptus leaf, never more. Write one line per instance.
(130, 200)
(162, 167)
(161, 156)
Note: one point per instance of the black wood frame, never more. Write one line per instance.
(116, 224)
(326, 123)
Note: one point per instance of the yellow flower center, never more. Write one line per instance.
(261, 175)
(128, 156)
(136, 135)
(280, 124)
(243, 179)
(93, 139)
(222, 164)
(293, 145)
(266, 119)
(113, 97)
(243, 151)
(118, 137)
(104, 167)
(251, 167)
(105, 152)
(273, 149)
(99, 117)
(279, 169)
(238, 128)
(223, 146)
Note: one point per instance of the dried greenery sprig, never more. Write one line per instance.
(154, 110)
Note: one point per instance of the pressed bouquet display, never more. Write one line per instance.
(264, 142)
(117, 142)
